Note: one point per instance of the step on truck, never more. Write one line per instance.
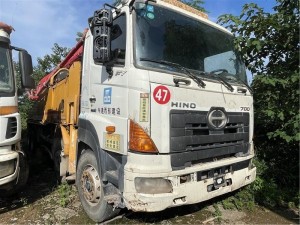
(150, 110)
(13, 165)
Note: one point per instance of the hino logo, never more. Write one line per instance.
(183, 105)
(217, 119)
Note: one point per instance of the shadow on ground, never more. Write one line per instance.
(41, 182)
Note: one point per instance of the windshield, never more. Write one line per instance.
(163, 34)
(6, 75)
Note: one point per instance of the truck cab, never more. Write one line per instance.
(168, 114)
(150, 110)
(12, 161)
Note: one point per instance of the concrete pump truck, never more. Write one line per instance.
(150, 110)
(13, 167)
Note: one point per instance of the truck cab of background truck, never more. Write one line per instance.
(12, 165)
(168, 114)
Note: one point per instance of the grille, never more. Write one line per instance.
(195, 140)
(12, 127)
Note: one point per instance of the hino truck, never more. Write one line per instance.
(13, 166)
(150, 110)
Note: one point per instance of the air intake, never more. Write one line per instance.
(12, 127)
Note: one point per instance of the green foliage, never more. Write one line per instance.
(45, 65)
(197, 4)
(264, 190)
(24, 107)
(49, 61)
(79, 36)
(269, 45)
(261, 36)
(217, 213)
(268, 192)
(243, 199)
(64, 191)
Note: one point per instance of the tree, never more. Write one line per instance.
(44, 66)
(269, 44)
(197, 4)
(50, 61)
(79, 36)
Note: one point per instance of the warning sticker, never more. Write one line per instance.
(112, 141)
(161, 95)
(144, 106)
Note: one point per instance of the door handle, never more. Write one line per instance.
(178, 81)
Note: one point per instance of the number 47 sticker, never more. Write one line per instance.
(161, 95)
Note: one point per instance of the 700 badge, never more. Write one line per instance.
(161, 95)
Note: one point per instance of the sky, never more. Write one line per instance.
(39, 24)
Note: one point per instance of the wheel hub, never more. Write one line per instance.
(91, 184)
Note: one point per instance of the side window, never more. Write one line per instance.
(118, 37)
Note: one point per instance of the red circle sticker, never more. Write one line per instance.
(161, 95)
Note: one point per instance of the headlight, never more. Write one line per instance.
(7, 168)
(152, 185)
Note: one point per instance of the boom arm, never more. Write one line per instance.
(73, 56)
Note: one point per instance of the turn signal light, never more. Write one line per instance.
(140, 140)
(110, 129)
(6, 110)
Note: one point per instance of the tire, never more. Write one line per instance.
(24, 171)
(31, 142)
(90, 189)
(56, 150)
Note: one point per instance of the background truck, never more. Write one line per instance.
(150, 110)
(13, 167)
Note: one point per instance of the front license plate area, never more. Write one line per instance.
(219, 182)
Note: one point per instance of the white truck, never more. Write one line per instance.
(13, 167)
(150, 110)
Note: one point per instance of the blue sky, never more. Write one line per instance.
(39, 24)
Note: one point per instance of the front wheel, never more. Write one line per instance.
(90, 189)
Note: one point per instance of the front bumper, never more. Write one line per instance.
(9, 165)
(189, 192)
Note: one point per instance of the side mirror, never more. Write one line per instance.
(101, 29)
(26, 69)
(115, 32)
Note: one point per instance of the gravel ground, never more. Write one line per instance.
(42, 201)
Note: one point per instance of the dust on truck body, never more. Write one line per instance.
(150, 110)
(13, 169)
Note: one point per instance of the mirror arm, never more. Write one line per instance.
(109, 69)
(17, 49)
(109, 65)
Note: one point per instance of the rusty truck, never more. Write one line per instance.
(150, 110)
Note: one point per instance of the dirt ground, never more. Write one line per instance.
(44, 202)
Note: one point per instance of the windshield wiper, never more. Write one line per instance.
(222, 81)
(236, 78)
(244, 83)
(225, 83)
(178, 66)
